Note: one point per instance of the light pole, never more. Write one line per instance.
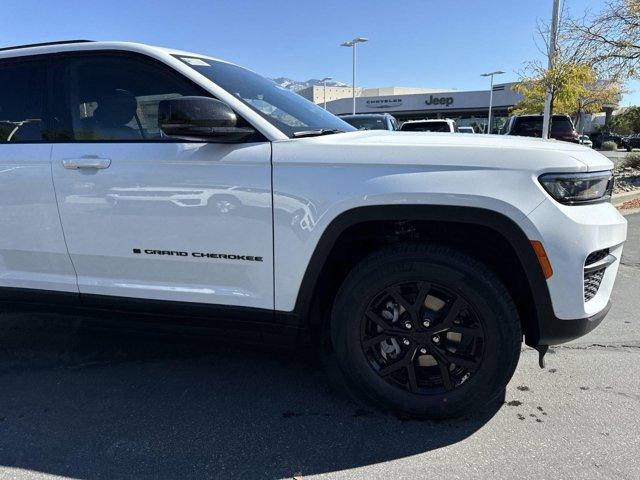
(491, 74)
(352, 44)
(553, 34)
(324, 90)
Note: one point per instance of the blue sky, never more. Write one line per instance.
(421, 43)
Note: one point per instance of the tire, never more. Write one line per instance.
(478, 350)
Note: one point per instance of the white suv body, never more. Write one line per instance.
(480, 172)
(251, 228)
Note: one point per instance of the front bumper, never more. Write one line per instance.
(570, 234)
(555, 330)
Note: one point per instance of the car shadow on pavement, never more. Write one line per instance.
(88, 404)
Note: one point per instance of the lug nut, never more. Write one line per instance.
(423, 351)
(408, 325)
(436, 339)
(426, 323)
(406, 341)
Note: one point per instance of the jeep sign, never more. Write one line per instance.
(446, 101)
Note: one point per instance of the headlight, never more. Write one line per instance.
(578, 188)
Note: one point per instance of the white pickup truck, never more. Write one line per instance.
(185, 189)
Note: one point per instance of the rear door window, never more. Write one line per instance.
(22, 102)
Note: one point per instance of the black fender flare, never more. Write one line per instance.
(496, 221)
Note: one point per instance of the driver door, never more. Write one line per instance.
(147, 216)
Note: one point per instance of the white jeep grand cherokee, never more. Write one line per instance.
(186, 189)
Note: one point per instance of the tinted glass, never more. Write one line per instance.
(288, 111)
(116, 98)
(22, 91)
(426, 127)
(528, 126)
(561, 125)
(367, 123)
(532, 126)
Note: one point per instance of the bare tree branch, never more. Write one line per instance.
(611, 38)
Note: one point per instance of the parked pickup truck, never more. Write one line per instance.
(175, 187)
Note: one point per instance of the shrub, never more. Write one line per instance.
(631, 160)
(609, 146)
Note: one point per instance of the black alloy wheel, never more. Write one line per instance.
(424, 331)
(422, 337)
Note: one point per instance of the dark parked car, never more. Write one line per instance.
(531, 126)
(631, 142)
(598, 138)
(372, 121)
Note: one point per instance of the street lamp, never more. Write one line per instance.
(324, 90)
(491, 74)
(352, 44)
(553, 52)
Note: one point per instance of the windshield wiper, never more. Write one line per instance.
(317, 133)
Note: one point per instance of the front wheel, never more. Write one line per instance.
(425, 331)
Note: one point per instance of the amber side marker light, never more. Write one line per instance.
(543, 260)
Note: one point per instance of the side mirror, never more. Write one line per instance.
(200, 118)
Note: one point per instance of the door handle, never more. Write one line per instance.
(86, 162)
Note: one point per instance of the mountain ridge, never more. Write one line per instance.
(296, 85)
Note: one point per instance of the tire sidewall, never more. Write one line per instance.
(461, 278)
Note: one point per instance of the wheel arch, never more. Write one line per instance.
(532, 310)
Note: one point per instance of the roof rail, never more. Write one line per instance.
(62, 42)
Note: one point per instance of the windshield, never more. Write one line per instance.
(426, 127)
(366, 123)
(286, 110)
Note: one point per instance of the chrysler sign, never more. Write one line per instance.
(384, 102)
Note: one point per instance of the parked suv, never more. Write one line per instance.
(531, 126)
(371, 121)
(177, 188)
(444, 125)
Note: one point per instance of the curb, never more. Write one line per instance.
(632, 211)
(619, 198)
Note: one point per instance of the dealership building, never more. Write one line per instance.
(318, 93)
(468, 108)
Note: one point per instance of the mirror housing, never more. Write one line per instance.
(200, 119)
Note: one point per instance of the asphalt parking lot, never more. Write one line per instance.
(92, 405)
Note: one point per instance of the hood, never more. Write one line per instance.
(476, 149)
